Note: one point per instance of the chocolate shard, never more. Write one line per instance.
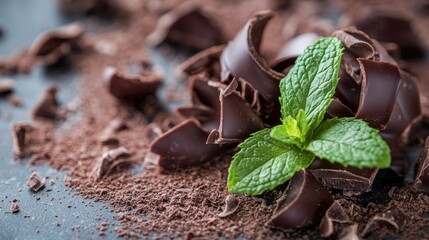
(338, 109)
(304, 202)
(392, 216)
(231, 205)
(241, 59)
(35, 183)
(237, 119)
(421, 183)
(296, 46)
(6, 86)
(109, 160)
(107, 136)
(131, 86)
(335, 213)
(19, 139)
(14, 207)
(50, 46)
(345, 178)
(200, 112)
(377, 76)
(189, 26)
(184, 145)
(388, 26)
(205, 62)
(47, 107)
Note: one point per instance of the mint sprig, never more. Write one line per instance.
(270, 157)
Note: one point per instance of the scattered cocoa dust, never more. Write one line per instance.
(184, 203)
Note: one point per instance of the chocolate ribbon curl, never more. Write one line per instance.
(305, 202)
(50, 46)
(132, 86)
(188, 26)
(241, 59)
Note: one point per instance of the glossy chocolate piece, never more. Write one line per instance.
(35, 183)
(188, 26)
(19, 136)
(421, 183)
(392, 216)
(241, 59)
(392, 27)
(338, 109)
(54, 44)
(376, 108)
(345, 178)
(304, 202)
(297, 45)
(108, 161)
(185, 145)
(47, 107)
(132, 86)
(237, 120)
(335, 213)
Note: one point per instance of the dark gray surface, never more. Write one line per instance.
(23, 20)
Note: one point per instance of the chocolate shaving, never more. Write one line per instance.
(335, 213)
(107, 136)
(129, 86)
(350, 233)
(345, 178)
(304, 202)
(185, 145)
(237, 120)
(392, 216)
(14, 207)
(241, 59)
(50, 46)
(204, 62)
(35, 183)
(373, 108)
(6, 86)
(109, 160)
(231, 205)
(47, 107)
(421, 183)
(188, 26)
(392, 27)
(296, 46)
(19, 139)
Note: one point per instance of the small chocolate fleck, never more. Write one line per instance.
(14, 100)
(14, 207)
(231, 205)
(47, 107)
(35, 183)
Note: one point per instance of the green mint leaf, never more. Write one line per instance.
(264, 163)
(311, 83)
(350, 141)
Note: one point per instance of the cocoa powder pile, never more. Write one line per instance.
(184, 203)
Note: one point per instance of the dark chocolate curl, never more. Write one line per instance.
(53, 44)
(392, 27)
(392, 216)
(241, 59)
(188, 26)
(205, 62)
(297, 45)
(338, 109)
(335, 213)
(131, 86)
(237, 120)
(380, 86)
(184, 145)
(345, 178)
(421, 183)
(305, 202)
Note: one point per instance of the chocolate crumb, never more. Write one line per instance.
(231, 205)
(6, 86)
(392, 216)
(14, 100)
(14, 208)
(35, 183)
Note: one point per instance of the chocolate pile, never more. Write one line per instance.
(233, 93)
